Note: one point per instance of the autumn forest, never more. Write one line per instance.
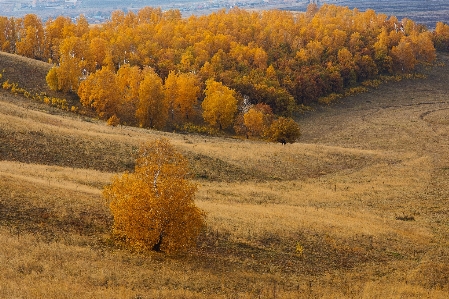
(141, 157)
(240, 71)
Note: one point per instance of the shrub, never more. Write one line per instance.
(355, 90)
(6, 85)
(113, 121)
(330, 98)
(283, 130)
(196, 129)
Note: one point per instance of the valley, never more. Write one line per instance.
(356, 209)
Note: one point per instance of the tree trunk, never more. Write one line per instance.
(157, 246)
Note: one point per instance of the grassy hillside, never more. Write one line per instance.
(363, 194)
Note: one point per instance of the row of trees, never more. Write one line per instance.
(153, 68)
(138, 96)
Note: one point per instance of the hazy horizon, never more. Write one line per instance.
(423, 12)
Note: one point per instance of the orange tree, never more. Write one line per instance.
(100, 92)
(257, 120)
(219, 105)
(154, 207)
(441, 36)
(152, 109)
(181, 92)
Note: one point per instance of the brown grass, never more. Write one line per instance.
(343, 193)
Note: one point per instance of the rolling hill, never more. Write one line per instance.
(356, 209)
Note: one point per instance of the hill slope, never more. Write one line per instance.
(343, 195)
(28, 73)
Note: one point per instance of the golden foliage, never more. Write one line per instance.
(152, 110)
(113, 121)
(153, 207)
(219, 105)
(281, 59)
(283, 130)
(52, 79)
(257, 120)
(181, 92)
(441, 36)
(100, 92)
(253, 121)
(41, 97)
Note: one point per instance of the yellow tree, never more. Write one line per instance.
(65, 77)
(171, 93)
(152, 110)
(154, 207)
(441, 36)
(258, 119)
(128, 84)
(283, 130)
(347, 66)
(52, 79)
(187, 61)
(54, 34)
(312, 53)
(219, 105)
(82, 26)
(181, 94)
(403, 55)
(188, 93)
(8, 36)
(99, 91)
(260, 58)
(381, 52)
(98, 49)
(424, 47)
(73, 63)
(31, 37)
(253, 121)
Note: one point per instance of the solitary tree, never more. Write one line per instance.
(153, 207)
(283, 130)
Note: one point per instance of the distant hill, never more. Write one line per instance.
(424, 12)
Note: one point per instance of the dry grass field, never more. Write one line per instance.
(358, 208)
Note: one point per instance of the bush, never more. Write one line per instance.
(196, 129)
(283, 130)
(113, 121)
(153, 207)
(330, 98)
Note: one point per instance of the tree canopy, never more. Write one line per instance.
(278, 58)
(219, 105)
